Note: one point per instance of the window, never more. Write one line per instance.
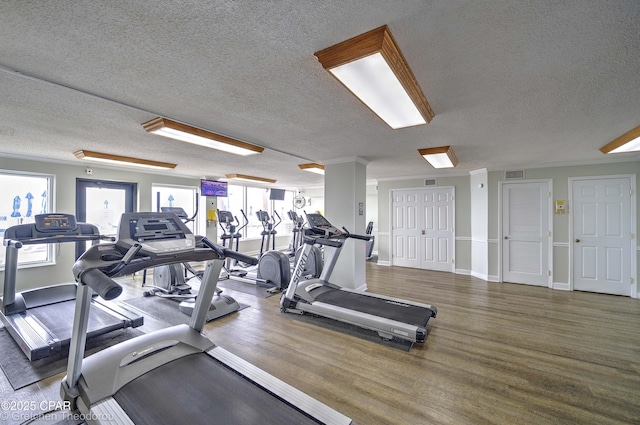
(282, 208)
(234, 201)
(22, 196)
(257, 199)
(177, 196)
(251, 200)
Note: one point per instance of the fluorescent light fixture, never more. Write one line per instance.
(440, 157)
(628, 142)
(372, 67)
(186, 133)
(121, 160)
(249, 178)
(312, 167)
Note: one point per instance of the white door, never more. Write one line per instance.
(601, 222)
(437, 229)
(526, 233)
(423, 228)
(405, 232)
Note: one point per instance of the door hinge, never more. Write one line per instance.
(548, 272)
(548, 233)
(453, 261)
(630, 281)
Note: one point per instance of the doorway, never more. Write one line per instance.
(422, 230)
(602, 232)
(102, 203)
(526, 232)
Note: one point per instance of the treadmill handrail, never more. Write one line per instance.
(321, 241)
(109, 259)
(354, 236)
(102, 284)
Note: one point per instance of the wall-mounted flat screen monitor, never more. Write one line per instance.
(213, 188)
(276, 194)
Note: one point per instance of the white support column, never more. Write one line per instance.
(478, 180)
(345, 195)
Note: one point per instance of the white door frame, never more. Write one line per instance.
(453, 241)
(633, 253)
(549, 183)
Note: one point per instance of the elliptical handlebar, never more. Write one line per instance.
(274, 220)
(246, 221)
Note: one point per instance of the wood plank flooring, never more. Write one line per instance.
(496, 353)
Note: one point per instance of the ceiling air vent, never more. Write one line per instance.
(514, 174)
(430, 182)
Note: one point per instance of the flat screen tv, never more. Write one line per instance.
(213, 188)
(276, 195)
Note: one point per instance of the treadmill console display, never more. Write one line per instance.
(59, 223)
(318, 223)
(158, 233)
(179, 211)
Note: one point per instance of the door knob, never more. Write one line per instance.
(577, 240)
(423, 232)
(506, 237)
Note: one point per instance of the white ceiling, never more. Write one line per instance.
(512, 83)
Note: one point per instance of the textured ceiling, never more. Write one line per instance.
(512, 83)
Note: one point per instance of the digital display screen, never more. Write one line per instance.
(153, 227)
(213, 188)
(55, 222)
(317, 220)
(276, 194)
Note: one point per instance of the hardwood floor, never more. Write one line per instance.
(496, 353)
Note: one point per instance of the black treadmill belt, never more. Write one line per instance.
(392, 310)
(58, 318)
(197, 389)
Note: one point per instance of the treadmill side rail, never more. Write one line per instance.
(108, 411)
(35, 340)
(106, 371)
(386, 328)
(281, 389)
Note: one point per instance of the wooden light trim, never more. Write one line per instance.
(380, 41)
(312, 167)
(616, 145)
(186, 133)
(106, 157)
(435, 156)
(252, 178)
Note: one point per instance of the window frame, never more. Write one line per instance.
(284, 229)
(51, 252)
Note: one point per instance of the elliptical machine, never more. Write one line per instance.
(170, 281)
(314, 263)
(273, 270)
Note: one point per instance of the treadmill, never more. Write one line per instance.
(40, 320)
(389, 317)
(176, 374)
